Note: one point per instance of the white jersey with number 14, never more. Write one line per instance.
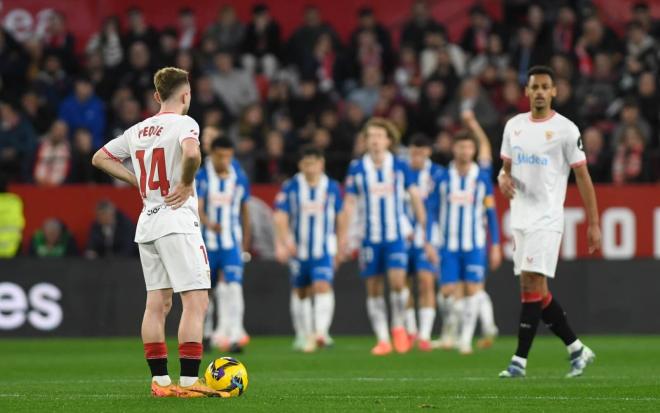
(154, 146)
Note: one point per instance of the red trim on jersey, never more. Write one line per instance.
(113, 157)
(546, 300)
(579, 163)
(189, 137)
(155, 351)
(531, 297)
(502, 156)
(544, 119)
(162, 113)
(190, 350)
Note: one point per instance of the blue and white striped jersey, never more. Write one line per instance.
(381, 196)
(312, 214)
(223, 198)
(461, 205)
(423, 178)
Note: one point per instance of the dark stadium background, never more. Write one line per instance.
(607, 63)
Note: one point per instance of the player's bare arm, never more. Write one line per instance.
(345, 219)
(189, 164)
(245, 226)
(206, 222)
(485, 153)
(284, 245)
(114, 168)
(588, 195)
(505, 180)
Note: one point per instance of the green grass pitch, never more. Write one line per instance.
(110, 375)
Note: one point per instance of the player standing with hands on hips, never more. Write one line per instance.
(539, 150)
(164, 150)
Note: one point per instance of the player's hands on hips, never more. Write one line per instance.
(179, 195)
(495, 257)
(431, 254)
(506, 185)
(215, 227)
(281, 254)
(593, 237)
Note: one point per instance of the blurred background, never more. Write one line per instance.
(275, 75)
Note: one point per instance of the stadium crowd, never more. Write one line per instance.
(271, 95)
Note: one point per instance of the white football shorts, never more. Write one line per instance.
(536, 251)
(176, 261)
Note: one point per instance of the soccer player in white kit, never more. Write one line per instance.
(539, 149)
(164, 150)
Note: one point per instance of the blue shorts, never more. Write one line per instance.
(417, 261)
(377, 259)
(468, 266)
(228, 261)
(304, 273)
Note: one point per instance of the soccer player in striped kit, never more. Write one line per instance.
(378, 182)
(307, 212)
(223, 195)
(461, 201)
(419, 267)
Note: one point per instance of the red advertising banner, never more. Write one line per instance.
(629, 216)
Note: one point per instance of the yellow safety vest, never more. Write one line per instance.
(12, 223)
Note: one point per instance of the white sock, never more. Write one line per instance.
(452, 310)
(469, 320)
(307, 317)
(520, 360)
(398, 302)
(208, 320)
(324, 308)
(426, 319)
(486, 316)
(223, 307)
(186, 381)
(296, 315)
(378, 316)
(574, 346)
(236, 311)
(411, 321)
(162, 380)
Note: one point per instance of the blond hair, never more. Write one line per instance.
(391, 130)
(168, 79)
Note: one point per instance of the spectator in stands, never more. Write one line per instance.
(168, 47)
(139, 31)
(12, 220)
(512, 99)
(352, 122)
(188, 33)
(630, 116)
(596, 38)
(527, 53)
(83, 109)
(475, 37)
(53, 82)
(599, 157)
(472, 96)
(431, 105)
(494, 55)
(631, 162)
(641, 55)
(186, 60)
(598, 91)
(420, 24)
(302, 41)
(209, 134)
(562, 64)
(111, 234)
(227, 31)
(439, 55)
(58, 40)
(307, 104)
(273, 164)
(107, 42)
(82, 170)
(103, 79)
(442, 148)
(13, 64)
(52, 240)
(262, 43)
(52, 163)
(129, 114)
(649, 103)
(204, 99)
(565, 102)
(36, 111)
(249, 136)
(322, 64)
(234, 86)
(642, 14)
(565, 30)
(138, 73)
(377, 41)
(368, 94)
(407, 75)
(17, 143)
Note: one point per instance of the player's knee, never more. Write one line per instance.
(448, 289)
(167, 306)
(321, 287)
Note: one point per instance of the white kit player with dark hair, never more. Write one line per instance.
(539, 149)
(164, 151)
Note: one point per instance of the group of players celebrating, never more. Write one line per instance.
(414, 218)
